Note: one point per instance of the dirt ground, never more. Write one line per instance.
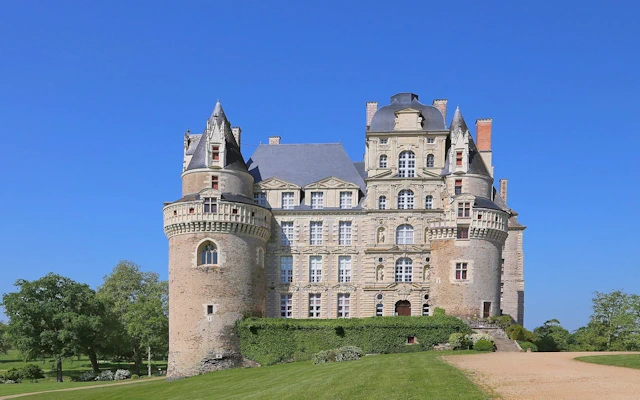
(549, 376)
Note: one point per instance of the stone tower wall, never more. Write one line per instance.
(235, 182)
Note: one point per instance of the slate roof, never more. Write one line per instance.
(476, 164)
(193, 144)
(384, 119)
(483, 202)
(302, 164)
(360, 168)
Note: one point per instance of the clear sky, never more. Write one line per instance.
(95, 97)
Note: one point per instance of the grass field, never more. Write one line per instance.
(619, 360)
(72, 368)
(390, 376)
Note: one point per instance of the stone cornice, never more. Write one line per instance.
(182, 228)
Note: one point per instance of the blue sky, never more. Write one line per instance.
(95, 97)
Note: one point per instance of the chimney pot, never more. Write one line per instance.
(483, 133)
(441, 104)
(237, 131)
(372, 107)
(503, 189)
(274, 139)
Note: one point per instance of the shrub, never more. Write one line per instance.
(439, 312)
(347, 353)
(519, 333)
(459, 341)
(105, 376)
(503, 321)
(32, 372)
(14, 374)
(273, 340)
(528, 345)
(87, 376)
(134, 376)
(122, 374)
(480, 336)
(483, 345)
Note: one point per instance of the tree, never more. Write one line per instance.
(615, 322)
(4, 339)
(52, 316)
(552, 336)
(139, 301)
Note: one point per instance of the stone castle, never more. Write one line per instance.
(301, 231)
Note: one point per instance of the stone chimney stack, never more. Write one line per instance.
(503, 189)
(441, 104)
(274, 139)
(236, 133)
(483, 141)
(372, 107)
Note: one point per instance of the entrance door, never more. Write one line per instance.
(403, 308)
(486, 309)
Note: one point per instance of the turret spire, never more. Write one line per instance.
(458, 121)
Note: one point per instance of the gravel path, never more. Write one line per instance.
(549, 376)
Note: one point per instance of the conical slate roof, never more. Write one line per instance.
(458, 121)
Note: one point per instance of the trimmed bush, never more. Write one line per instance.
(347, 353)
(528, 345)
(122, 374)
(105, 376)
(480, 336)
(274, 340)
(459, 341)
(134, 377)
(483, 345)
(87, 376)
(14, 374)
(519, 333)
(32, 372)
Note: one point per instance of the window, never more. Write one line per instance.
(404, 234)
(317, 200)
(430, 161)
(287, 200)
(383, 161)
(344, 269)
(431, 140)
(382, 203)
(379, 309)
(286, 269)
(260, 258)
(461, 271)
(405, 200)
(210, 205)
(346, 199)
(215, 153)
(209, 254)
(428, 202)
(344, 305)
(315, 269)
(344, 233)
(384, 141)
(425, 310)
(260, 198)
(314, 305)
(315, 233)
(458, 158)
(209, 309)
(464, 210)
(463, 233)
(404, 270)
(286, 305)
(214, 182)
(286, 237)
(458, 187)
(407, 165)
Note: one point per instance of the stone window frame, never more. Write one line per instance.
(345, 238)
(316, 238)
(319, 200)
(406, 199)
(431, 161)
(315, 305)
(406, 270)
(260, 257)
(470, 271)
(343, 308)
(406, 232)
(345, 271)
(198, 253)
(382, 203)
(407, 164)
(285, 240)
(315, 274)
(345, 199)
(260, 198)
(428, 202)
(383, 161)
(290, 204)
(286, 305)
(431, 140)
(287, 276)
(384, 140)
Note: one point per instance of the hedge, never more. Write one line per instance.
(274, 340)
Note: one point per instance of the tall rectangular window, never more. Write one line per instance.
(287, 200)
(315, 233)
(314, 305)
(464, 210)
(286, 305)
(344, 269)
(463, 232)
(215, 153)
(286, 238)
(315, 269)
(344, 233)
(317, 200)
(214, 182)
(344, 305)
(379, 310)
(458, 158)
(461, 271)
(286, 269)
(346, 200)
(210, 205)
(260, 198)
(458, 187)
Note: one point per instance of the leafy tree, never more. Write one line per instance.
(520, 333)
(552, 336)
(139, 301)
(4, 338)
(52, 316)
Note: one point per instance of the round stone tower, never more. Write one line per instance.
(217, 239)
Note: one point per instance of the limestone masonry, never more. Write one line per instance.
(301, 231)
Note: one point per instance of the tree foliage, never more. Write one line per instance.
(4, 338)
(552, 336)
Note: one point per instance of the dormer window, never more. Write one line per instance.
(210, 205)
(458, 158)
(317, 200)
(214, 182)
(287, 200)
(215, 153)
(464, 210)
(260, 198)
(346, 200)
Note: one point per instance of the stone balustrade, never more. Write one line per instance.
(482, 223)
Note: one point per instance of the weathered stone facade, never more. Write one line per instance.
(303, 232)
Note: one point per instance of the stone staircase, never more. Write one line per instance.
(500, 338)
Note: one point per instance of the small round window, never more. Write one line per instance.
(379, 297)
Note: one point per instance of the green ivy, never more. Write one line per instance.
(274, 340)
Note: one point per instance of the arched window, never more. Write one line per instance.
(425, 309)
(379, 309)
(405, 200)
(430, 161)
(404, 270)
(383, 161)
(382, 203)
(428, 202)
(208, 254)
(404, 234)
(407, 165)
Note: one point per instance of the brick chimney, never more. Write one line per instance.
(503, 189)
(372, 107)
(274, 139)
(483, 141)
(441, 104)
(236, 133)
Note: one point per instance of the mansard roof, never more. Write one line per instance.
(303, 164)
(385, 118)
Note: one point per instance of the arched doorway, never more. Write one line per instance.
(403, 308)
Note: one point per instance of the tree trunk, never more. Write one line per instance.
(94, 362)
(59, 370)
(137, 359)
(149, 360)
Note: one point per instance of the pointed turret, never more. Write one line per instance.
(218, 112)
(458, 122)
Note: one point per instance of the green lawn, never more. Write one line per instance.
(72, 368)
(391, 376)
(620, 360)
